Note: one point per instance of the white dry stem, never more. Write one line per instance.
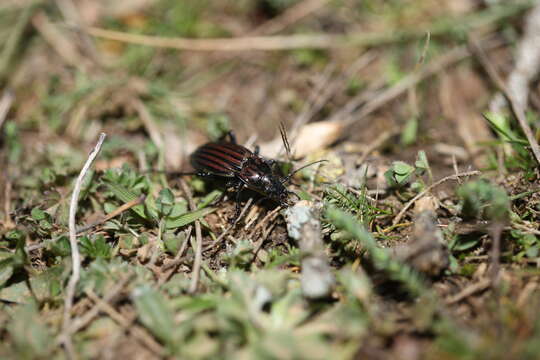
(527, 63)
(75, 256)
(304, 226)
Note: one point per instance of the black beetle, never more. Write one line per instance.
(244, 169)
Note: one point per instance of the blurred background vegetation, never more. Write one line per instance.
(397, 95)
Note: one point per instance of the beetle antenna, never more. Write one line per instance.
(288, 178)
(173, 173)
(286, 144)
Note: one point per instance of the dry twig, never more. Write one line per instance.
(138, 333)
(75, 256)
(468, 291)
(215, 244)
(110, 296)
(397, 219)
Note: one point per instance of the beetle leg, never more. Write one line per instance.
(238, 208)
(295, 194)
(232, 137)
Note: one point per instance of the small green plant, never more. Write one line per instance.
(400, 174)
(483, 200)
(95, 247)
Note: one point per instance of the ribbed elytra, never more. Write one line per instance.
(220, 158)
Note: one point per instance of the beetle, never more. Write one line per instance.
(244, 169)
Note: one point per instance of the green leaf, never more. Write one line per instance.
(61, 247)
(127, 195)
(501, 125)
(154, 313)
(14, 235)
(165, 202)
(38, 214)
(187, 218)
(6, 270)
(399, 174)
(217, 125)
(40, 286)
(410, 132)
(31, 337)
(173, 242)
(210, 198)
(95, 247)
(421, 163)
(465, 243)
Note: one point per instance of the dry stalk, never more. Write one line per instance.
(196, 272)
(5, 105)
(110, 296)
(468, 291)
(58, 40)
(138, 333)
(178, 259)
(385, 96)
(215, 244)
(75, 256)
(399, 216)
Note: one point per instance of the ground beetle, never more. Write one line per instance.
(244, 169)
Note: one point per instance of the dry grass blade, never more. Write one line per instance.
(468, 291)
(138, 332)
(434, 67)
(234, 44)
(75, 256)
(220, 238)
(58, 40)
(5, 105)
(399, 216)
(93, 312)
(196, 272)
